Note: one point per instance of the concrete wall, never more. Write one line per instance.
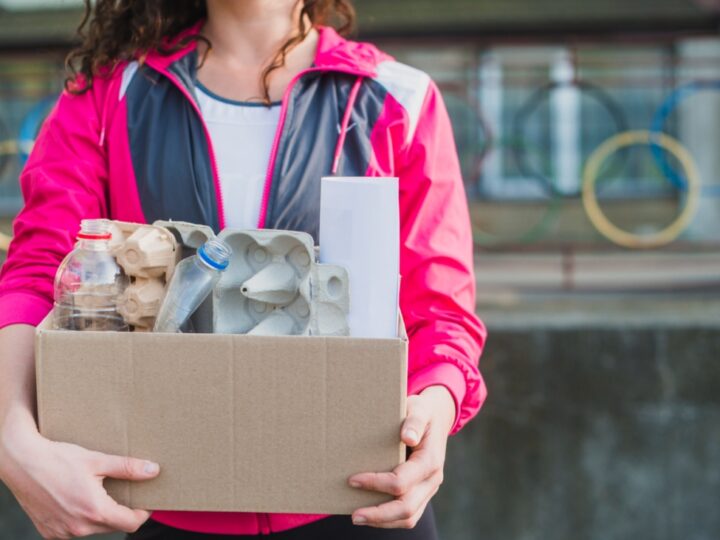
(603, 433)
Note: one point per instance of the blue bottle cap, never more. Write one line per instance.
(215, 253)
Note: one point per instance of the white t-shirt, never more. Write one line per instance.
(242, 135)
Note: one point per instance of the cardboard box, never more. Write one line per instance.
(237, 422)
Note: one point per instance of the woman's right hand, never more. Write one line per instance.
(60, 485)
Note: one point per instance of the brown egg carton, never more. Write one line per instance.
(148, 255)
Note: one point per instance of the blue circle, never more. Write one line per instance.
(658, 125)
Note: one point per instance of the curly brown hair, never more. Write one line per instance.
(121, 30)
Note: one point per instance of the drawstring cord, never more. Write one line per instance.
(104, 112)
(103, 120)
(343, 126)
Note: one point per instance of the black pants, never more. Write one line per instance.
(331, 528)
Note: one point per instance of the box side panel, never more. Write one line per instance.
(280, 423)
(366, 407)
(83, 384)
(181, 415)
(311, 412)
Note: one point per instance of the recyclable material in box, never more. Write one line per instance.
(237, 422)
(148, 255)
(273, 286)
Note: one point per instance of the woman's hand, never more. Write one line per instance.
(413, 483)
(60, 486)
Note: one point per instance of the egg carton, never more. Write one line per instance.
(274, 286)
(189, 237)
(148, 255)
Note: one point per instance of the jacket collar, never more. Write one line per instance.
(336, 52)
(333, 53)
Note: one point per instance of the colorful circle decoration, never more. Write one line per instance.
(658, 126)
(600, 220)
(614, 111)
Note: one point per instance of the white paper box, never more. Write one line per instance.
(360, 230)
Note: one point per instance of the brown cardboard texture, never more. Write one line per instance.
(237, 422)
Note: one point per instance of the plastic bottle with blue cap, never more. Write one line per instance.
(193, 280)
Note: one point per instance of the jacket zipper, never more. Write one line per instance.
(278, 135)
(211, 151)
(276, 141)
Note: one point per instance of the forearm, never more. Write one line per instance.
(17, 383)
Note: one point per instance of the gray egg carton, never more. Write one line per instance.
(272, 286)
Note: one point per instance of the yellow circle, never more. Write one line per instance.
(618, 235)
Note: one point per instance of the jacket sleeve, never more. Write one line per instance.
(437, 291)
(62, 183)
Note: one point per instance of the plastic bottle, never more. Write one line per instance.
(193, 280)
(89, 282)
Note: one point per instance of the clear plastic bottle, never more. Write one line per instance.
(89, 282)
(193, 280)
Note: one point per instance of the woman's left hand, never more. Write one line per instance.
(430, 415)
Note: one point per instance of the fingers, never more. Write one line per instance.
(111, 514)
(111, 518)
(65, 497)
(406, 523)
(402, 512)
(125, 468)
(107, 518)
(416, 424)
(414, 482)
(121, 518)
(405, 476)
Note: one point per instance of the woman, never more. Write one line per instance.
(161, 120)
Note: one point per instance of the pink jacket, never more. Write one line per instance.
(135, 148)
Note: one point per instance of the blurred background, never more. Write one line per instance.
(589, 135)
